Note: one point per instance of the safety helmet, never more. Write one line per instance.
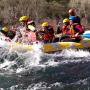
(71, 11)
(66, 20)
(23, 18)
(45, 24)
(5, 29)
(73, 18)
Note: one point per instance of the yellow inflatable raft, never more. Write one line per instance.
(54, 47)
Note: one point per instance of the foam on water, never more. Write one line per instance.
(7, 64)
(44, 86)
(36, 58)
(75, 53)
(34, 64)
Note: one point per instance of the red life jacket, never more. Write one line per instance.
(49, 33)
(66, 29)
(77, 28)
(70, 31)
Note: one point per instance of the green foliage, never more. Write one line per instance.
(65, 16)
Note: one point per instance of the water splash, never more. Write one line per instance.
(36, 65)
(7, 64)
(45, 86)
(75, 53)
(34, 57)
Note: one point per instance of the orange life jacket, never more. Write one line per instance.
(66, 30)
(77, 28)
(71, 30)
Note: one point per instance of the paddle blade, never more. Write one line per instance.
(32, 28)
(86, 34)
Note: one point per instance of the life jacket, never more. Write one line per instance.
(71, 30)
(31, 36)
(79, 28)
(48, 33)
(76, 28)
(66, 30)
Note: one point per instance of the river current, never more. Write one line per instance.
(35, 70)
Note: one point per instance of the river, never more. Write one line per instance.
(35, 70)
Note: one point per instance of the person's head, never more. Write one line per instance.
(73, 19)
(72, 12)
(66, 21)
(23, 20)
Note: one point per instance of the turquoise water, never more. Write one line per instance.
(66, 70)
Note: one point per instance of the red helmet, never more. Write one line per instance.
(72, 12)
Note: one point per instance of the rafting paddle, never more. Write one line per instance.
(86, 34)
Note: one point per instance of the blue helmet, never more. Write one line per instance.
(73, 18)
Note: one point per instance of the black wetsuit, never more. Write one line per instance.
(9, 34)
